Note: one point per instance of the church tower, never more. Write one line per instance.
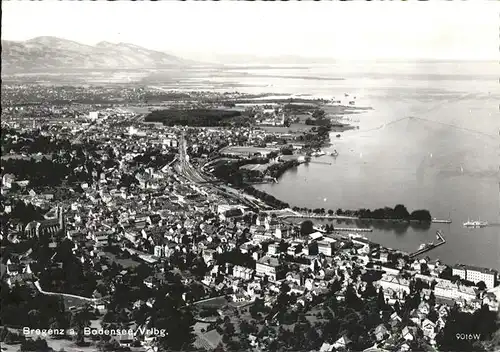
(60, 217)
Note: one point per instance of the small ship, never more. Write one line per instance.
(318, 153)
(475, 223)
(425, 245)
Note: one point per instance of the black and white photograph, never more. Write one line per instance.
(302, 176)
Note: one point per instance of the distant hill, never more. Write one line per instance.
(52, 53)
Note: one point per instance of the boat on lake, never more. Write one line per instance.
(475, 223)
(425, 245)
(318, 153)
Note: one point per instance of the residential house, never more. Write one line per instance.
(405, 347)
(409, 333)
(13, 269)
(150, 302)
(491, 301)
(294, 249)
(238, 297)
(375, 348)
(443, 311)
(326, 347)
(158, 251)
(295, 278)
(273, 249)
(447, 289)
(247, 247)
(343, 342)
(395, 320)
(364, 246)
(274, 227)
(155, 280)
(242, 272)
(270, 267)
(209, 340)
(424, 308)
(395, 283)
(326, 248)
(429, 329)
(311, 248)
(381, 332)
(125, 340)
(416, 317)
(20, 279)
(208, 255)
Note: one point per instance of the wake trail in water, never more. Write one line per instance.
(387, 124)
(437, 105)
(457, 127)
(465, 129)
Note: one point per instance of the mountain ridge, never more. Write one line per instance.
(47, 52)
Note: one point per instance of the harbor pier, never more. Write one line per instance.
(320, 162)
(441, 221)
(430, 247)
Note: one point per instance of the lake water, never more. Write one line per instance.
(441, 154)
(431, 141)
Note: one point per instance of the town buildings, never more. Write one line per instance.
(137, 212)
(269, 267)
(475, 274)
(455, 291)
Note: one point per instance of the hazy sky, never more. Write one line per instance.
(451, 30)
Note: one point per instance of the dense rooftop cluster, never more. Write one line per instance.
(112, 216)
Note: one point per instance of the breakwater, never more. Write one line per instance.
(441, 221)
(430, 247)
(320, 162)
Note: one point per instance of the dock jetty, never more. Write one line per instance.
(320, 162)
(441, 221)
(428, 248)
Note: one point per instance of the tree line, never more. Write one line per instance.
(399, 212)
(267, 198)
(279, 169)
(193, 117)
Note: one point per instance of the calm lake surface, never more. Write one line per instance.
(431, 141)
